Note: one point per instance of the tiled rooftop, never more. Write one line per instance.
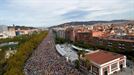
(101, 57)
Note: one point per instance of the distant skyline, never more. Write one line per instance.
(46, 13)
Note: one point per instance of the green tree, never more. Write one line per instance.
(81, 53)
(16, 63)
(77, 64)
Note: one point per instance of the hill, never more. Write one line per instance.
(89, 22)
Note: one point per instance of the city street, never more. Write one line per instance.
(46, 61)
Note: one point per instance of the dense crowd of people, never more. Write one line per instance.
(46, 61)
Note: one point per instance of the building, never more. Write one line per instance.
(76, 33)
(116, 44)
(7, 32)
(97, 33)
(69, 33)
(60, 32)
(3, 28)
(3, 35)
(25, 30)
(11, 31)
(83, 36)
(3, 31)
(105, 63)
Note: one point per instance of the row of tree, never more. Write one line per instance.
(14, 66)
(84, 45)
(60, 40)
(20, 39)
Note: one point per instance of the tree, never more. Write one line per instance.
(16, 63)
(81, 53)
(87, 64)
(77, 64)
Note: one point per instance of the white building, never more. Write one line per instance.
(3, 31)
(3, 28)
(3, 35)
(105, 63)
(7, 32)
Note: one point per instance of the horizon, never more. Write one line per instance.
(30, 13)
(64, 23)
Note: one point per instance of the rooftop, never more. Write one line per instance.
(101, 57)
(97, 33)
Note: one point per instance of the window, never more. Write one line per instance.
(89, 67)
(105, 69)
(95, 69)
(114, 66)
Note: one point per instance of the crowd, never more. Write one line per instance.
(46, 61)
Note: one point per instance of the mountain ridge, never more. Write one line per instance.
(74, 23)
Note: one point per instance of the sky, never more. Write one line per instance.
(45, 13)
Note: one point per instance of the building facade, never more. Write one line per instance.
(60, 32)
(76, 33)
(116, 44)
(70, 33)
(83, 36)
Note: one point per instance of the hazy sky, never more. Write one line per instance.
(53, 12)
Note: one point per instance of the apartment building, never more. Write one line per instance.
(116, 44)
(83, 36)
(60, 32)
(76, 33)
